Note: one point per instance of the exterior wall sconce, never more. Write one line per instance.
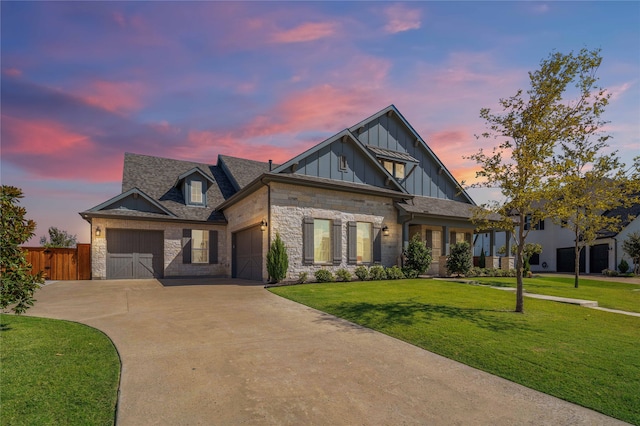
(385, 230)
(263, 225)
(98, 231)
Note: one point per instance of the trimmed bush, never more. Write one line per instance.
(409, 273)
(302, 277)
(623, 267)
(343, 275)
(362, 272)
(323, 276)
(277, 260)
(417, 255)
(459, 261)
(376, 272)
(394, 273)
(482, 262)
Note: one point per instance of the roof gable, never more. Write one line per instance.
(389, 130)
(198, 171)
(134, 200)
(341, 157)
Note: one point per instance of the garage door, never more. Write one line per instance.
(247, 254)
(566, 260)
(134, 254)
(598, 258)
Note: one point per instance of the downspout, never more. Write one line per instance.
(615, 254)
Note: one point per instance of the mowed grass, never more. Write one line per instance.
(582, 355)
(608, 294)
(56, 373)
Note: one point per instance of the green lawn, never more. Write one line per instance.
(614, 295)
(56, 372)
(582, 355)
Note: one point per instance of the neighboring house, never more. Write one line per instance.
(355, 198)
(558, 252)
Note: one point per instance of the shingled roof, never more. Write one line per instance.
(439, 207)
(241, 171)
(626, 215)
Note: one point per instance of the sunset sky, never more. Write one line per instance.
(84, 82)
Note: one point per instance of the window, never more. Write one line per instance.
(434, 242)
(196, 192)
(395, 169)
(364, 250)
(321, 241)
(199, 246)
(534, 259)
(537, 227)
(342, 163)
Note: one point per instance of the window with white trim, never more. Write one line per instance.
(321, 241)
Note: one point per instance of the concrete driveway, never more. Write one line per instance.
(205, 352)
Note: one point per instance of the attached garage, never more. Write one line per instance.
(247, 254)
(134, 254)
(566, 260)
(598, 258)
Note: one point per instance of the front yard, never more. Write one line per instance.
(608, 294)
(56, 372)
(582, 355)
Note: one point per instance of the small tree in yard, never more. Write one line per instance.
(460, 260)
(631, 246)
(58, 238)
(277, 260)
(530, 127)
(17, 283)
(417, 258)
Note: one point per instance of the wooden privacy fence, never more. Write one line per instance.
(61, 263)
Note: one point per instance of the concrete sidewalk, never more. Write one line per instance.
(230, 352)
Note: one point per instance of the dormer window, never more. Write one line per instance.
(196, 192)
(395, 169)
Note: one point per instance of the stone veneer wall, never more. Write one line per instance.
(247, 213)
(173, 266)
(290, 204)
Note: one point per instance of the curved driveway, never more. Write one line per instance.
(205, 352)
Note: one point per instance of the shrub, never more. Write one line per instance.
(417, 255)
(609, 273)
(343, 275)
(482, 262)
(459, 260)
(362, 272)
(323, 276)
(376, 272)
(302, 277)
(394, 273)
(277, 260)
(409, 273)
(623, 267)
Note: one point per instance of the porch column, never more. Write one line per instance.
(508, 261)
(492, 261)
(442, 262)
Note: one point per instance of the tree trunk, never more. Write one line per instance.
(519, 268)
(577, 263)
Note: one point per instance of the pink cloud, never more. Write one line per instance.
(38, 136)
(114, 96)
(50, 150)
(400, 18)
(12, 72)
(618, 91)
(309, 31)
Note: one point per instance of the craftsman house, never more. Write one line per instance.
(355, 198)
